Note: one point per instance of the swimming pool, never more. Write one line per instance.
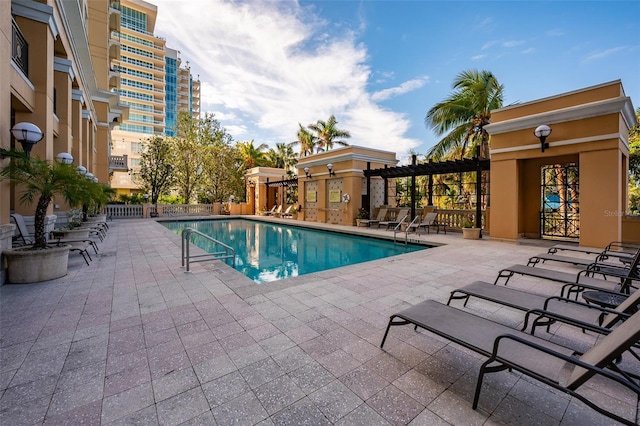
(268, 252)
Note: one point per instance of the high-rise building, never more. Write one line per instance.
(152, 83)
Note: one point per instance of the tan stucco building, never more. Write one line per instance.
(587, 149)
(55, 74)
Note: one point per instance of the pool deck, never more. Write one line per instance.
(133, 339)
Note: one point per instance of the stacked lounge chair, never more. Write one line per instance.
(559, 366)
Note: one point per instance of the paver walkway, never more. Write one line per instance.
(133, 339)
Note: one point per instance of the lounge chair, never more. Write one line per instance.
(382, 215)
(613, 249)
(541, 360)
(77, 245)
(278, 211)
(402, 214)
(549, 309)
(574, 283)
(287, 213)
(622, 259)
(429, 220)
(272, 211)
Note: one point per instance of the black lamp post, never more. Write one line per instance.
(28, 134)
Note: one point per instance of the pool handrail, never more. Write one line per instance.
(228, 253)
(398, 226)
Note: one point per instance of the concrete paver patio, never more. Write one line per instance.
(133, 339)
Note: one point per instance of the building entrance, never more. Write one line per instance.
(560, 195)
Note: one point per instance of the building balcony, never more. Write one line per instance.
(19, 49)
(118, 163)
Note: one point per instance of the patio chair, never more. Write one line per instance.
(272, 211)
(613, 249)
(402, 213)
(278, 211)
(429, 220)
(622, 259)
(575, 283)
(287, 213)
(547, 310)
(539, 359)
(382, 215)
(77, 245)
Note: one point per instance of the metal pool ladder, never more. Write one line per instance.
(227, 252)
(399, 226)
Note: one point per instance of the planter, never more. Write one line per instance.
(31, 266)
(471, 233)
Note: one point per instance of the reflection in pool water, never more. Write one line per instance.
(268, 252)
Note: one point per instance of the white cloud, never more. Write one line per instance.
(513, 43)
(604, 53)
(267, 66)
(478, 57)
(489, 44)
(528, 51)
(405, 87)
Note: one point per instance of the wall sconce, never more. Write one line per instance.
(28, 135)
(306, 172)
(330, 167)
(64, 158)
(541, 133)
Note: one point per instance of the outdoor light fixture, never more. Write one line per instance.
(541, 133)
(27, 134)
(306, 172)
(64, 158)
(81, 170)
(330, 167)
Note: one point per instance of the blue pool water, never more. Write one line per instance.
(268, 252)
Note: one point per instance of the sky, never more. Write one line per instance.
(267, 66)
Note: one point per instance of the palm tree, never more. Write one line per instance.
(306, 140)
(281, 157)
(328, 134)
(465, 113)
(251, 155)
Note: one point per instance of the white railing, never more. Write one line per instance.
(454, 218)
(128, 211)
(186, 209)
(120, 211)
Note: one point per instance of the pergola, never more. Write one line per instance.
(285, 183)
(429, 169)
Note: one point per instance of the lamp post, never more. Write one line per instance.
(64, 158)
(28, 134)
(541, 133)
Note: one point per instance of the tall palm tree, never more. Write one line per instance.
(465, 113)
(251, 155)
(306, 140)
(328, 134)
(281, 157)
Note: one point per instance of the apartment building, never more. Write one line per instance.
(153, 83)
(55, 74)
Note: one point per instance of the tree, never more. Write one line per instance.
(327, 134)
(282, 157)
(156, 167)
(192, 137)
(223, 171)
(463, 115)
(634, 148)
(306, 140)
(251, 155)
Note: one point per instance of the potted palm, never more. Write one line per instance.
(469, 231)
(39, 181)
(361, 214)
